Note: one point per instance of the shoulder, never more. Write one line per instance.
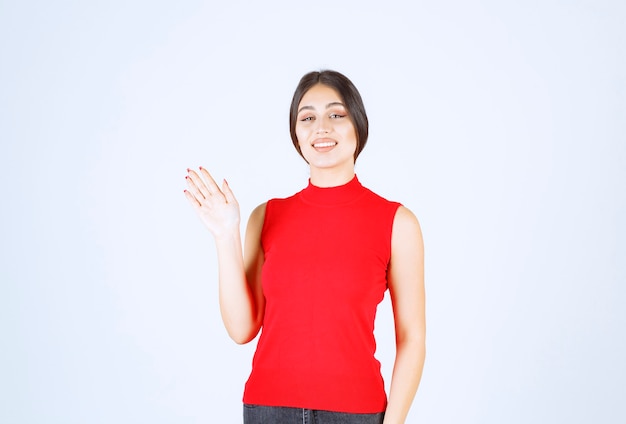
(257, 217)
(405, 218)
(407, 251)
(406, 227)
(259, 211)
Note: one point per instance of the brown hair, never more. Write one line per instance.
(349, 95)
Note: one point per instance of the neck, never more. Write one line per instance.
(330, 178)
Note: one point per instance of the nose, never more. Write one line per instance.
(322, 126)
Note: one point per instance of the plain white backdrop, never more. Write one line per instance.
(501, 124)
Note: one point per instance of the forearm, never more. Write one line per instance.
(407, 372)
(240, 295)
(237, 303)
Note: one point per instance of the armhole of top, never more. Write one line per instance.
(395, 207)
(265, 219)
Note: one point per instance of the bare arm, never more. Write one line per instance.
(406, 286)
(240, 294)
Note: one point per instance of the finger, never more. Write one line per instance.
(196, 185)
(192, 199)
(210, 182)
(193, 189)
(228, 193)
(198, 182)
(205, 188)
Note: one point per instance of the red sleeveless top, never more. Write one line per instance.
(325, 271)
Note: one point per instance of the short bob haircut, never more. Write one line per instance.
(349, 95)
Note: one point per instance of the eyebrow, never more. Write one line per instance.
(331, 104)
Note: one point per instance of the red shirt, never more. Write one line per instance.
(325, 271)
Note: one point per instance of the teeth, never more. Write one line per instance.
(326, 144)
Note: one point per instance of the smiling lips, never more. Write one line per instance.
(324, 145)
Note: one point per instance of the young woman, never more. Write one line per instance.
(314, 269)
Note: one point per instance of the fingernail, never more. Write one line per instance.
(200, 167)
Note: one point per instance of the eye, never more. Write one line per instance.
(306, 118)
(337, 116)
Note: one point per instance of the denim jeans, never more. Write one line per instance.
(255, 414)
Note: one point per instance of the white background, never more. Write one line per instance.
(501, 124)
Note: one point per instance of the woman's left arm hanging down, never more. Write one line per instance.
(406, 287)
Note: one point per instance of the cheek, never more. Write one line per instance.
(304, 152)
(350, 133)
(301, 135)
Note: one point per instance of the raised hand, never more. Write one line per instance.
(217, 208)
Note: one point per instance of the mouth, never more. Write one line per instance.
(322, 144)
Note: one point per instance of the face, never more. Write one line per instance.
(324, 130)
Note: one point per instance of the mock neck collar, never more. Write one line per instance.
(329, 196)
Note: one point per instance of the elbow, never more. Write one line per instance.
(414, 352)
(242, 329)
(414, 343)
(241, 340)
(243, 336)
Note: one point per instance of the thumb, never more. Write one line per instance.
(228, 193)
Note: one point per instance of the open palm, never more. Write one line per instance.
(217, 207)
